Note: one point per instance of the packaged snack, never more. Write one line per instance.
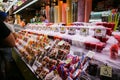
(75, 59)
(66, 46)
(76, 73)
(51, 63)
(50, 76)
(57, 77)
(43, 73)
(61, 54)
(62, 71)
(46, 59)
(69, 78)
(39, 69)
(53, 54)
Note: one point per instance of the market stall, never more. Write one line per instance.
(70, 52)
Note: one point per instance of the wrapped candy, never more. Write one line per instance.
(51, 63)
(39, 69)
(43, 73)
(53, 53)
(57, 77)
(62, 71)
(75, 59)
(50, 76)
(76, 73)
(69, 78)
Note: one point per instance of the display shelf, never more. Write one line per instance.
(25, 3)
(31, 39)
(24, 67)
(78, 40)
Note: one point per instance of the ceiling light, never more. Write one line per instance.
(25, 6)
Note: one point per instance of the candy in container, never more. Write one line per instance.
(57, 77)
(50, 76)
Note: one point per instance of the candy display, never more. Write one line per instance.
(70, 56)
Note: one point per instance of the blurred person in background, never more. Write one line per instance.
(22, 22)
(11, 19)
(43, 19)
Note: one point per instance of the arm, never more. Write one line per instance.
(11, 28)
(6, 37)
(9, 41)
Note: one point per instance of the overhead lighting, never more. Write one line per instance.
(25, 6)
(11, 5)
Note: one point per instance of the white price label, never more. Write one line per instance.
(90, 54)
(61, 42)
(106, 71)
(68, 61)
(100, 32)
(84, 31)
(47, 47)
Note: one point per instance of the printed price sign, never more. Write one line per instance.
(100, 32)
(90, 54)
(106, 71)
(68, 61)
(47, 47)
(84, 31)
(61, 42)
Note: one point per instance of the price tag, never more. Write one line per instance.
(84, 31)
(100, 32)
(47, 47)
(68, 61)
(61, 42)
(106, 71)
(90, 54)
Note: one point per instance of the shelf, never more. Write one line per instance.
(75, 40)
(25, 68)
(24, 5)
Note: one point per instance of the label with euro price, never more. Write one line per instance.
(106, 71)
(90, 54)
(47, 47)
(68, 61)
(61, 43)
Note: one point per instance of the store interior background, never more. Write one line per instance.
(59, 11)
(65, 11)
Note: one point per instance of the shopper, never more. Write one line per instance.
(43, 19)
(7, 41)
(22, 22)
(11, 19)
